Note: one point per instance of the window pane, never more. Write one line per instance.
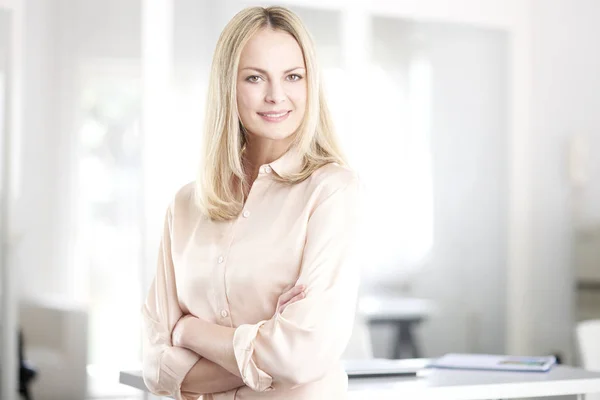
(108, 241)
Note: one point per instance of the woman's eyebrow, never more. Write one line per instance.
(262, 71)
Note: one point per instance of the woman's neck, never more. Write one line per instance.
(260, 151)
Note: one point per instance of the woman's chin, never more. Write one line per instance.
(271, 134)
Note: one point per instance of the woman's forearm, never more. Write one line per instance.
(208, 377)
(211, 341)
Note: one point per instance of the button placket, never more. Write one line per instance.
(257, 185)
(222, 307)
(222, 260)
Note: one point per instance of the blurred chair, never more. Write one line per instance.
(588, 334)
(588, 338)
(26, 371)
(401, 313)
(57, 346)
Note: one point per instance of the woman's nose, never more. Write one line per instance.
(276, 93)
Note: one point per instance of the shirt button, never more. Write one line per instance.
(268, 169)
(246, 214)
(224, 313)
(221, 259)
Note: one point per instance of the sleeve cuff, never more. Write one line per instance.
(243, 347)
(176, 363)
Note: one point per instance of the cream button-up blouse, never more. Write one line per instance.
(232, 273)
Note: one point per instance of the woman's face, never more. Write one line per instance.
(271, 85)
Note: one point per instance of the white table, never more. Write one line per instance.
(459, 385)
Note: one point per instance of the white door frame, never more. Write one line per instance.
(10, 184)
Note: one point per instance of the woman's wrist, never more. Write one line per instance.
(211, 341)
(184, 331)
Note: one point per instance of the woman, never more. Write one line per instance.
(255, 291)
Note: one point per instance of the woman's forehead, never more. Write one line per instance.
(272, 51)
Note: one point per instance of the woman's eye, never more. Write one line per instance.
(294, 77)
(253, 78)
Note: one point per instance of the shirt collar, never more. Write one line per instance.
(289, 163)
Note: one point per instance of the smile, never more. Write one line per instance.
(274, 116)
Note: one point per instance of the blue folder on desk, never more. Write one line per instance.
(490, 362)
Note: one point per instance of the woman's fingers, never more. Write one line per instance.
(288, 295)
(294, 299)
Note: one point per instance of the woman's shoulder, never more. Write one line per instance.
(184, 199)
(332, 177)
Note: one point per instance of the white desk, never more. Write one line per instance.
(459, 385)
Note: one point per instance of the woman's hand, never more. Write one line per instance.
(178, 334)
(290, 296)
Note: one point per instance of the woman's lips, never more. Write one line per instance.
(275, 116)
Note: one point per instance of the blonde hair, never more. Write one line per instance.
(218, 190)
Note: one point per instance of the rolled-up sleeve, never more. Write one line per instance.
(301, 344)
(164, 365)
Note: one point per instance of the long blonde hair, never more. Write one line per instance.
(218, 190)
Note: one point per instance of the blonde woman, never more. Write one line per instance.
(255, 290)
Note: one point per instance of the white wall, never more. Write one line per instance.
(4, 39)
(566, 90)
(567, 61)
(4, 68)
(466, 274)
(37, 217)
(556, 59)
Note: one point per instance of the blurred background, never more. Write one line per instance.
(473, 123)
